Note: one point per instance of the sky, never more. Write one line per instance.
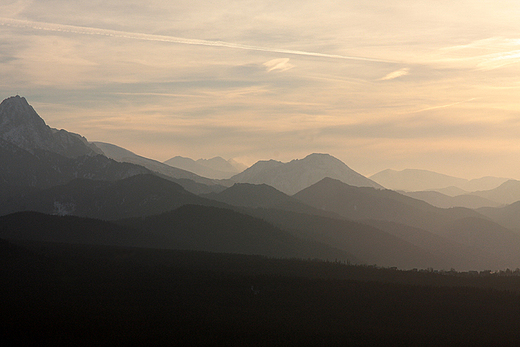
(378, 84)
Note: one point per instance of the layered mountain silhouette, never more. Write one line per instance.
(190, 227)
(371, 206)
(55, 186)
(299, 174)
(369, 244)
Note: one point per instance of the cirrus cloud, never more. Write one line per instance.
(281, 64)
(396, 74)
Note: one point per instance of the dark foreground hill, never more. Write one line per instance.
(34, 226)
(105, 296)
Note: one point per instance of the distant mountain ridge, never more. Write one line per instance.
(438, 199)
(505, 194)
(216, 168)
(299, 174)
(123, 155)
(419, 180)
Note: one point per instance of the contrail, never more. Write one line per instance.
(172, 39)
(443, 106)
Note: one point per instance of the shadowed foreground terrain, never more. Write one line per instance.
(102, 295)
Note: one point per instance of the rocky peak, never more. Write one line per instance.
(16, 110)
(23, 127)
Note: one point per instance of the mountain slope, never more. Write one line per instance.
(41, 169)
(507, 193)
(359, 203)
(213, 229)
(139, 195)
(487, 236)
(299, 174)
(23, 127)
(508, 216)
(460, 256)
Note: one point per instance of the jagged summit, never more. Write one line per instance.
(23, 127)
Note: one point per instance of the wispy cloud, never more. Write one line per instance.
(172, 39)
(498, 60)
(396, 74)
(488, 54)
(281, 64)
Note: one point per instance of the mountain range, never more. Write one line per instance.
(62, 188)
(298, 174)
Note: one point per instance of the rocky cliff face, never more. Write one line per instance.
(23, 127)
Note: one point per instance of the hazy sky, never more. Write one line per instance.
(378, 84)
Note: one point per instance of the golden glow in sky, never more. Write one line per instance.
(378, 84)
